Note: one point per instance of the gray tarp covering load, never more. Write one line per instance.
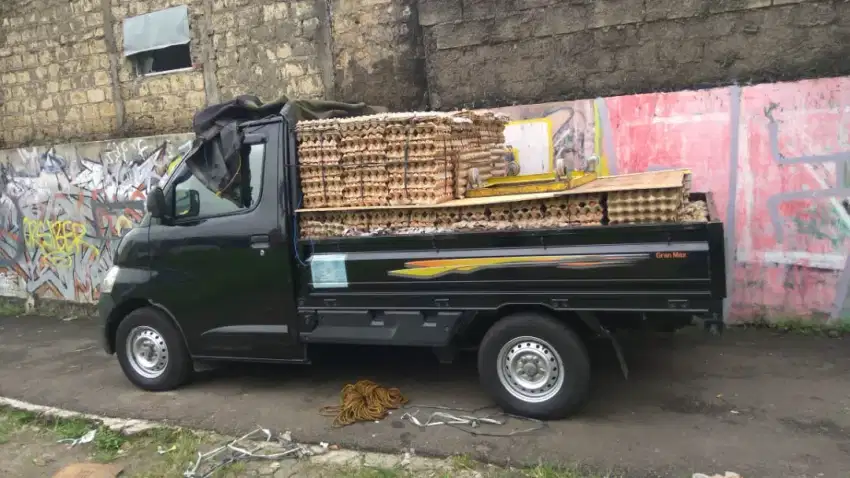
(214, 158)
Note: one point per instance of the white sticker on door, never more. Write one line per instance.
(328, 271)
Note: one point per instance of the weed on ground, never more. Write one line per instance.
(30, 446)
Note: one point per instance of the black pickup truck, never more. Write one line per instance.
(203, 279)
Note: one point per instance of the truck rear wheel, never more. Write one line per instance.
(534, 366)
(151, 351)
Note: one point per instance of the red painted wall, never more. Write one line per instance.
(782, 206)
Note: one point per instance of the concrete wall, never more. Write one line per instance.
(774, 156)
(378, 53)
(496, 52)
(63, 76)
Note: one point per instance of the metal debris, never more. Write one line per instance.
(86, 438)
(449, 419)
(162, 451)
(252, 446)
(470, 421)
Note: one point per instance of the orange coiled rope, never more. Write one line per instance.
(364, 401)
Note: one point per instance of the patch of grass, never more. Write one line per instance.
(463, 462)
(548, 471)
(11, 307)
(803, 326)
(184, 445)
(13, 420)
(108, 444)
(69, 428)
(373, 472)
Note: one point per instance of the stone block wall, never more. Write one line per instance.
(63, 76)
(496, 52)
(271, 48)
(378, 53)
(53, 64)
(157, 103)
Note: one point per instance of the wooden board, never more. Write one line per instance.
(625, 182)
(637, 181)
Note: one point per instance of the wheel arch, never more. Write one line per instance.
(585, 324)
(127, 307)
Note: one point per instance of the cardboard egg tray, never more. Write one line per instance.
(498, 156)
(420, 218)
(696, 211)
(642, 206)
(585, 209)
(566, 211)
(421, 152)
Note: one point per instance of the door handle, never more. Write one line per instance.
(260, 241)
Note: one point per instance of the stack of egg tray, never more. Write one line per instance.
(364, 161)
(482, 138)
(585, 209)
(644, 206)
(498, 156)
(421, 158)
(397, 158)
(564, 211)
(320, 170)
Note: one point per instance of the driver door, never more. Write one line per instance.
(220, 262)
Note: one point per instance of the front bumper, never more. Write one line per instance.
(105, 308)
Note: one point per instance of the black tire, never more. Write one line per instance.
(575, 387)
(179, 365)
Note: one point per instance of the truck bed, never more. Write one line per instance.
(642, 268)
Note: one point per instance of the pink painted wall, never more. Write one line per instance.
(774, 157)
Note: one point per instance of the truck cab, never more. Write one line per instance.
(222, 275)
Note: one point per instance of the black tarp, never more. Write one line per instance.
(216, 153)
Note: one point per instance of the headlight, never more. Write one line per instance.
(109, 280)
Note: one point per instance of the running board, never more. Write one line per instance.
(363, 327)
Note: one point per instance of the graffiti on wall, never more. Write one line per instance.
(775, 158)
(64, 209)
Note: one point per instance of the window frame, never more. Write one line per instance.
(155, 31)
(137, 58)
(170, 191)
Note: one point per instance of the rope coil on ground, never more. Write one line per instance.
(364, 400)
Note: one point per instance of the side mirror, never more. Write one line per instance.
(187, 203)
(155, 203)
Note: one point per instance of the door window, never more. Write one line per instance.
(192, 199)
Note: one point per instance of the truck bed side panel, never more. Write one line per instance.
(648, 268)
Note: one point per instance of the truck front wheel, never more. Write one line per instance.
(534, 366)
(151, 351)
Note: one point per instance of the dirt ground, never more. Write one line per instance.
(30, 447)
(757, 402)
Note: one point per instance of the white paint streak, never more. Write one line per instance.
(834, 262)
(722, 117)
(126, 426)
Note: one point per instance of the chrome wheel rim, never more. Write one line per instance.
(531, 369)
(147, 352)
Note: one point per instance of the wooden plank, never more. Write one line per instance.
(625, 182)
(636, 181)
